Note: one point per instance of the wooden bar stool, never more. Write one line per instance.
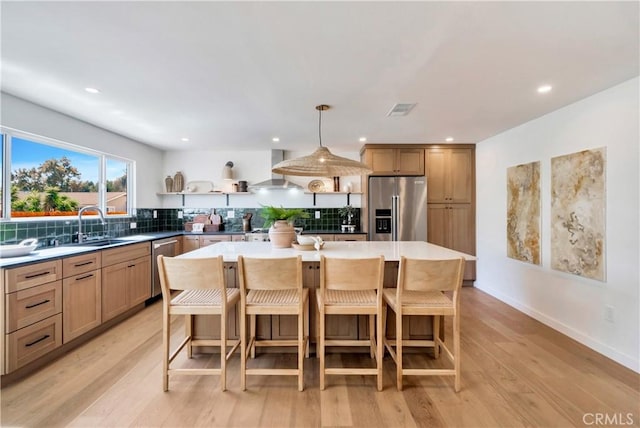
(420, 291)
(272, 287)
(203, 292)
(352, 287)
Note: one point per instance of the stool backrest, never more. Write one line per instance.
(270, 273)
(190, 274)
(430, 275)
(351, 274)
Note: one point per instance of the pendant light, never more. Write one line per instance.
(321, 163)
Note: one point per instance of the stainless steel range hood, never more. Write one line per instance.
(277, 181)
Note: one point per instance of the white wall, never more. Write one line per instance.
(28, 117)
(569, 303)
(253, 167)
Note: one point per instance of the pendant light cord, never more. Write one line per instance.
(320, 126)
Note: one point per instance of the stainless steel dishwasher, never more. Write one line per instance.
(167, 247)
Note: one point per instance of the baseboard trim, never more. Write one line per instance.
(619, 357)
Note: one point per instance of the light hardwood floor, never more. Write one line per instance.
(515, 372)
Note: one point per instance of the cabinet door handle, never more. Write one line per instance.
(35, 275)
(83, 264)
(46, 336)
(80, 278)
(131, 266)
(33, 305)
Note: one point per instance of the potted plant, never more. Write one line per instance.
(347, 213)
(280, 222)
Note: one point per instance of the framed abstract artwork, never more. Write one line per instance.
(523, 212)
(578, 203)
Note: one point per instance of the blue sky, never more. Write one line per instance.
(27, 154)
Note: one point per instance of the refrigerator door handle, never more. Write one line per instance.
(394, 217)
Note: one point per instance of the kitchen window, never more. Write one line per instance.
(49, 178)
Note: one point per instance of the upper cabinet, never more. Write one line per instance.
(449, 175)
(401, 161)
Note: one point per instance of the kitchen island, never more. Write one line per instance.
(349, 327)
(392, 251)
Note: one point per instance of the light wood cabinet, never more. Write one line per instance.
(82, 309)
(449, 174)
(115, 297)
(34, 274)
(139, 280)
(451, 201)
(206, 240)
(350, 237)
(395, 161)
(32, 313)
(190, 243)
(193, 242)
(82, 291)
(34, 341)
(452, 226)
(31, 305)
(126, 278)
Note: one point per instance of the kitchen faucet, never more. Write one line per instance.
(82, 210)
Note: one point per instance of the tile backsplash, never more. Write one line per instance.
(60, 232)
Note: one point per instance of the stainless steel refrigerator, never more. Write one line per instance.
(397, 208)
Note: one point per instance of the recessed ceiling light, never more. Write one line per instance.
(362, 139)
(275, 139)
(92, 90)
(448, 139)
(544, 89)
(185, 139)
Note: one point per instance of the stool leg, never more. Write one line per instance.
(380, 349)
(301, 341)
(399, 348)
(252, 321)
(436, 336)
(188, 326)
(372, 335)
(321, 344)
(243, 350)
(456, 349)
(223, 350)
(166, 330)
(306, 329)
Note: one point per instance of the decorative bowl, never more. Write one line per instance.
(305, 240)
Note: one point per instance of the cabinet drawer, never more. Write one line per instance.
(28, 306)
(31, 275)
(348, 237)
(76, 265)
(213, 239)
(122, 254)
(34, 341)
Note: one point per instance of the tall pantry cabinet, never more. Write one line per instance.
(450, 172)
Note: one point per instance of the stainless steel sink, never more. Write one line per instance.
(102, 242)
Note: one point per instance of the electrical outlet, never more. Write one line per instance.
(231, 214)
(608, 313)
(133, 225)
(155, 214)
(180, 214)
(317, 215)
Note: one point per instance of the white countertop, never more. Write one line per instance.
(349, 249)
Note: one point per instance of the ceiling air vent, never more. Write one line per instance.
(400, 109)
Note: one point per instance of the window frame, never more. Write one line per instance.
(7, 139)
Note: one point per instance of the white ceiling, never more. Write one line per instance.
(232, 75)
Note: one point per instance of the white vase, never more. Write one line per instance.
(281, 234)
